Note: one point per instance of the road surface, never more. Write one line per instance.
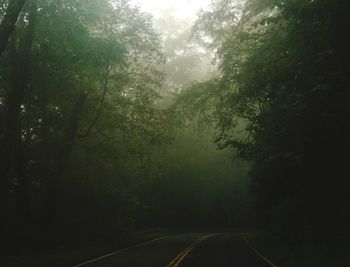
(186, 250)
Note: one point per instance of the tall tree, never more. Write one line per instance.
(83, 94)
(10, 138)
(7, 25)
(284, 72)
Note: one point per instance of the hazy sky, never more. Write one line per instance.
(180, 8)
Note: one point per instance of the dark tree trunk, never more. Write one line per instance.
(10, 136)
(59, 165)
(7, 25)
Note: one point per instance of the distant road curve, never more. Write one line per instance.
(186, 250)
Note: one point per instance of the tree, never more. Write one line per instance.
(284, 72)
(7, 25)
(83, 94)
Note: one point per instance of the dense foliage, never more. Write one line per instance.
(103, 117)
(284, 76)
(95, 140)
(78, 121)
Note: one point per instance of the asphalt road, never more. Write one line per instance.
(185, 250)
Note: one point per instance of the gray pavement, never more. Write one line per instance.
(185, 250)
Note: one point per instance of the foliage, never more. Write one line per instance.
(284, 70)
(80, 128)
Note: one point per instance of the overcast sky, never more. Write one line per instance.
(184, 9)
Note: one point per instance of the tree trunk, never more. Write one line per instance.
(57, 170)
(10, 138)
(7, 25)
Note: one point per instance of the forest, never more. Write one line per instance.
(113, 122)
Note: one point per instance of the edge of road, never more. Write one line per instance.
(258, 253)
(119, 250)
(186, 251)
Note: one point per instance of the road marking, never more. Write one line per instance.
(118, 251)
(259, 254)
(175, 262)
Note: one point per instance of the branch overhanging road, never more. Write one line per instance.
(186, 250)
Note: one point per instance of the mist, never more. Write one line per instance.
(174, 133)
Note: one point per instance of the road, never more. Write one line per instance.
(186, 250)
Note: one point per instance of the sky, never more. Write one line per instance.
(183, 9)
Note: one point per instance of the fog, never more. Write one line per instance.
(122, 121)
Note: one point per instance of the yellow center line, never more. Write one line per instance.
(175, 262)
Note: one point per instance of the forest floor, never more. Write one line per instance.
(322, 254)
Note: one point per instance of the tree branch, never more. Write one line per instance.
(99, 110)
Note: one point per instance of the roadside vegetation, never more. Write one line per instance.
(284, 77)
(112, 122)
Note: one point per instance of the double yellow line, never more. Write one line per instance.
(186, 251)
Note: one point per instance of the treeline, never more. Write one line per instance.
(78, 122)
(283, 84)
(201, 189)
(95, 140)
